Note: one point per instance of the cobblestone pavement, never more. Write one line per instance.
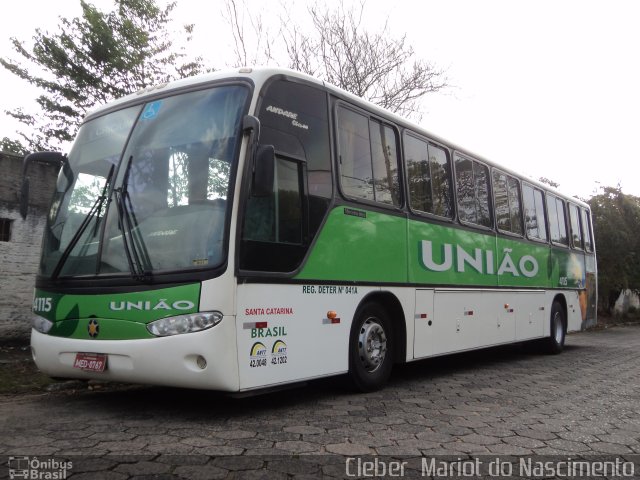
(502, 401)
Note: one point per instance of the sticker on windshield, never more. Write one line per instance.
(151, 110)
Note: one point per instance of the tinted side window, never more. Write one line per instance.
(481, 174)
(514, 205)
(586, 229)
(472, 181)
(557, 223)
(429, 176)
(534, 213)
(506, 194)
(542, 226)
(574, 219)
(466, 190)
(501, 201)
(416, 154)
(440, 181)
(385, 163)
(562, 222)
(368, 158)
(356, 175)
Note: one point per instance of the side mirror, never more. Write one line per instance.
(263, 167)
(53, 158)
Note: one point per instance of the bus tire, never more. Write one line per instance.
(558, 330)
(370, 348)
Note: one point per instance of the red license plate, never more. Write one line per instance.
(91, 362)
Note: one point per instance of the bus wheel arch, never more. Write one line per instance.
(377, 340)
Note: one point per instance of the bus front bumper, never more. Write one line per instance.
(175, 361)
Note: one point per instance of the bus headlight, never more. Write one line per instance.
(193, 322)
(41, 324)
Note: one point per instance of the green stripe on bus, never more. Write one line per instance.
(143, 307)
(358, 245)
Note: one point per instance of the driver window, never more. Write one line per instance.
(272, 237)
(277, 217)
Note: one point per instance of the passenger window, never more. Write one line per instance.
(576, 233)
(440, 181)
(368, 158)
(514, 205)
(534, 213)
(557, 222)
(429, 176)
(472, 180)
(586, 230)
(385, 163)
(355, 155)
(506, 194)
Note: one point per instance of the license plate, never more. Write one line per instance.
(91, 362)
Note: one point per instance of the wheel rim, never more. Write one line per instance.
(559, 333)
(372, 345)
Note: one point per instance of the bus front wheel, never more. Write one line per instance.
(555, 342)
(370, 348)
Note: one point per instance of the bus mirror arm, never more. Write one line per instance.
(51, 158)
(263, 157)
(252, 125)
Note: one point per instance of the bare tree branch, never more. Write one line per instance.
(261, 53)
(337, 48)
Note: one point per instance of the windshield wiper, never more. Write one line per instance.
(134, 247)
(96, 208)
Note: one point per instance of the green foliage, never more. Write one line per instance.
(93, 59)
(616, 223)
(12, 146)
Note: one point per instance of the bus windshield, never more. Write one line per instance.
(145, 188)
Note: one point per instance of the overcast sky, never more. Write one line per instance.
(547, 88)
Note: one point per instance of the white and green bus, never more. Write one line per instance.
(249, 229)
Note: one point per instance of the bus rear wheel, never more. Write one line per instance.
(370, 348)
(555, 342)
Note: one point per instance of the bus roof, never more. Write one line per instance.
(259, 75)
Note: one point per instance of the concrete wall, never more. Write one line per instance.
(19, 256)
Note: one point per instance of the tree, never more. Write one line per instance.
(339, 49)
(93, 59)
(616, 223)
(12, 146)
(549, 182)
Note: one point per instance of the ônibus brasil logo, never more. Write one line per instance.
(481, 261)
